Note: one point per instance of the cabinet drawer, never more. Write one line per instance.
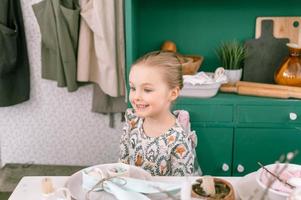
(208, 113)
(269, 114)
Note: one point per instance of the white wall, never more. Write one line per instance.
(54, 126)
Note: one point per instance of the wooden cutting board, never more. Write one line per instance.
(264, 55)
(283, 28)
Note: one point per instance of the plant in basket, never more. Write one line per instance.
(231, 55)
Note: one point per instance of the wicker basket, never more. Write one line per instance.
(191, 64)
(229, 196)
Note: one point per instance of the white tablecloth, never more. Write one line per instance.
(29, 188)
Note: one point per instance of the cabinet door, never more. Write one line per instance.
(214, 150)
(264, 145)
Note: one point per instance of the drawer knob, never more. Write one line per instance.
(293, 116)
(225, 167)
(240, 168)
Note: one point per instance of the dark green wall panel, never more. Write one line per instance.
(198, 26)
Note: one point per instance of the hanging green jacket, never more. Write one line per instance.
(14, 64)
(59, 26)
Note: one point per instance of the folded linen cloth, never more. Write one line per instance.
(206, 78)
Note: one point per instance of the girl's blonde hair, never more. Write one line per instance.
(168, 61)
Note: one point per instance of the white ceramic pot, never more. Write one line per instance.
(262, 177)
(233, 75)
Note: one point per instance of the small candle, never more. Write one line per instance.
(47, 187)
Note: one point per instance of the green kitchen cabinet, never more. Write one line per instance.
(234, 132)
(214, 132)
(213, 123)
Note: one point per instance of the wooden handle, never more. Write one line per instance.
(296, 95)
(228, 88)
(269, 86)
(260, 91)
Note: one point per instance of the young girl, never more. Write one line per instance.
(152, 137)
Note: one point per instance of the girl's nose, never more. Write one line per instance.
(137, 95)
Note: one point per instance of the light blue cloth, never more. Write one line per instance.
(120, 182)
(122, 194)
(149, 187)
(125, 188)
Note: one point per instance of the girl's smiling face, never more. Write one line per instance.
(150, 94)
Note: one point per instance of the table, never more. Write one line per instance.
(29, 188)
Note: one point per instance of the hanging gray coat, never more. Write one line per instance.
(14, 64)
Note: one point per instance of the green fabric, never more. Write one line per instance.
(103, 103)
(14, 65)
(4, 195)
(59, 26)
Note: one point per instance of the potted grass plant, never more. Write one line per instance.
(231, 55)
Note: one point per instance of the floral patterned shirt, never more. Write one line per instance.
(170, 154)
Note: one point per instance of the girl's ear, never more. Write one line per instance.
(174, 93)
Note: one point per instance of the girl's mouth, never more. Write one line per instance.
(141, 106)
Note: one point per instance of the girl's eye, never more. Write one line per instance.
(148, 90)
(132, 88)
